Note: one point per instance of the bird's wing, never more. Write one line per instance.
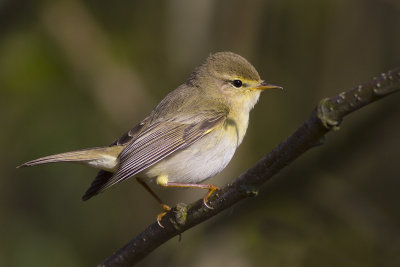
(158, 140)
(132, 133)
(103, 176)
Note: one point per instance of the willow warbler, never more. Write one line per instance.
(190, 136)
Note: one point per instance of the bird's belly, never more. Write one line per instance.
(198, 162)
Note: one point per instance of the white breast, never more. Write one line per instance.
(202, 160)
(208, 156)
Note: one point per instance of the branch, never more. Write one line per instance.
(325, 117)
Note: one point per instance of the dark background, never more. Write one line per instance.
(77, 74)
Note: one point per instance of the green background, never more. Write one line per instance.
(77, 74)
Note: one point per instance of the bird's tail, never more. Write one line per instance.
(105, 158)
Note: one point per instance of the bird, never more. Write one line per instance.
(190, 136)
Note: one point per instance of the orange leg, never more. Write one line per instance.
(164, 206)
(210, 187)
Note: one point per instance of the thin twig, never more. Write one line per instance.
(325, 117)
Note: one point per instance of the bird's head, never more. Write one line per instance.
(229, 76)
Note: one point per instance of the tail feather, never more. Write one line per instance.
(97, 184)
(99, 157)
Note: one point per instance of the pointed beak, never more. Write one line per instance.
(266, 86)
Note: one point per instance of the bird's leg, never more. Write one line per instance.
(163, 181)
(210, 187)
(164, 206)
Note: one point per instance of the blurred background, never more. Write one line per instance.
(77, 74)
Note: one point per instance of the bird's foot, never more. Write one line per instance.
(206, 197)
(166, 209)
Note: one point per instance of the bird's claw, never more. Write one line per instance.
(208, 206)
(159, 218)
(166, 208)
(206, 197)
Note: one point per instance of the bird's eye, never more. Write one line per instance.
(237, 83)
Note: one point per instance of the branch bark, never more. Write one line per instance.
(325, 117)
